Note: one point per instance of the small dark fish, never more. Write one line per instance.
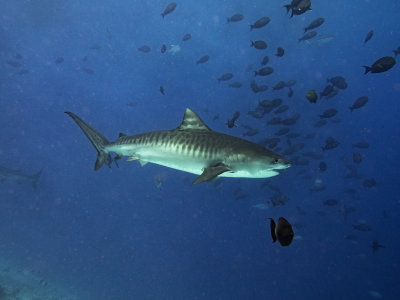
(283, 232)
(330, 144)
(281, 109)
(357, 158)
(203, 59)
(338, 81)
(225, 77)
(144, 48)
(235, 85)
(312, 96)
(368, 36)
(59, 60)
(169, 9)
(274, 121)
(264, 71)
(362, 227)
(320, 123)
(369, 183)
(314, 24)
(329, 113)
(250, 131)
(381, 65)
(360, 102)
(282, 131)
(14, 63)
(95, 47)
(308, 35)
(293, 135)
(290, 83)
(323, 166)
(88, 71)
(231, 122)
(361, 145)
(280, 85)
(396, 51)
(298, 7)
(280, 52)
(162, 90)
(292, 120)
(235, 18)
(260, 45)
(265, 60)
(260, 23)
(330, 202)
(22, 72)
(375, 246)
(327, 90)
(163, 48)
(290, 93)
(186, 37)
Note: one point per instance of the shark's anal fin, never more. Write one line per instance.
(210, 173)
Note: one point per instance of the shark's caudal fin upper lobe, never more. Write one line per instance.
(97, 140)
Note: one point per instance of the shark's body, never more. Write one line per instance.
(193, 148)
(18, 176)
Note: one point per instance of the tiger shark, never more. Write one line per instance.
(192, 147)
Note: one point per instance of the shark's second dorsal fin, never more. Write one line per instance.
(191, 121)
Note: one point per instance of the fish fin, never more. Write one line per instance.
(131, 158)
(210, 173)
(143, 163)
(287, 8)
(121, 134)
(367, 69)
(191, 121)
(272, 226)
(97, 140)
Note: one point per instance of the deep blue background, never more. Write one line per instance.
(112, 234)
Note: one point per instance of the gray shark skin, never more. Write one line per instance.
(192, 147)
(17, 176)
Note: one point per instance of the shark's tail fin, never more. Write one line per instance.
(35, 179)
(97, 140)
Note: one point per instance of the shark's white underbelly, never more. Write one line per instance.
(194, 164)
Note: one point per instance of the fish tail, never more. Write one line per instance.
(97, 140)
(367, 69)
(35, 178)
(287, 8)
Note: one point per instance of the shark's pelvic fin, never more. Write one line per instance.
(210, 173)
(97, 140)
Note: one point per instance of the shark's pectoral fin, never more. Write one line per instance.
(143, 163)
(211, 173)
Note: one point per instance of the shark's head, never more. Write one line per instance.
(258, 162)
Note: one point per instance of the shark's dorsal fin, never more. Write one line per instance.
(191, 121)
(121, 134)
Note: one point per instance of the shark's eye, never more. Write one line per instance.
(276, 161)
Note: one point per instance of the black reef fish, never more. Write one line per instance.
(282, 231)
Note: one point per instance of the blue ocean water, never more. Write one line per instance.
(146, 232)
